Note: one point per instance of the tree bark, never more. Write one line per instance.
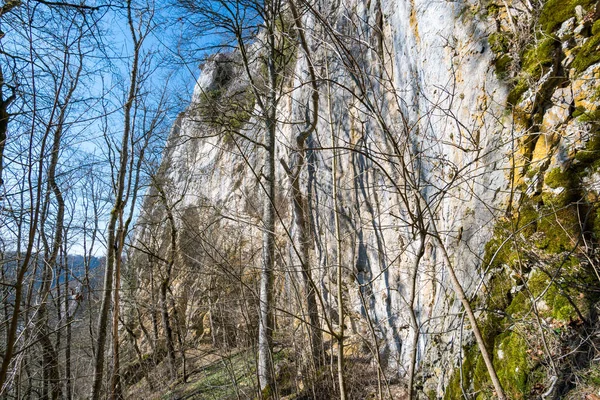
(69, 321)
(116, 392)
(164, 307)
(338, 248)
(413, 315)
(266, 326)
(164, 287)
(266, 323)
(4, 116)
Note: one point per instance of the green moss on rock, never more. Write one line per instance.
(561, 228)
(515, 95)
(498, 252)
(558, 306)
(589, 116)
(534, 253)
(591, 154)
(588, 54)
(539, 56)
(454, 391)
(596, 27)
(499, 43)
(500, 287)
(555, 12)
(519, 306)
(557, 178)
(492, 9)
(474, 374)
(536, 59)
(511, 363)
(503, 64)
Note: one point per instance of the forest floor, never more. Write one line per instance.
(211, 374)
(224, 375)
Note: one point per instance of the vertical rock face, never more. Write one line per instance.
(413, 106)
(430, 80)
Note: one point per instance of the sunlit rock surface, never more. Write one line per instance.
(429, 87)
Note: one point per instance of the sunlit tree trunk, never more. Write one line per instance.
(266, 321)
(338, 251)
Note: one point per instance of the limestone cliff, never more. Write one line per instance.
(475, 122)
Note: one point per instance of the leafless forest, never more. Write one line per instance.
(363, 199)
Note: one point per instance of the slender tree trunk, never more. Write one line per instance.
(153, 307)
(139, 355)
(485, 354)
(340, 302)
(69, 321)
(36, 202)
(265, 329)
(164, 306)
(180, 339)
(116, 213)
(104, 309)
(29, 334)
(5, 294)
(266, 323)
(131, 190)
(211, 315)
(302, 233)
(164, 287)
(338, 249)
(413, 315)
(302, 226)
(116, 392)
(50, 354)
(4, 116)
(266, 326)
(149, 338)
(50, 360)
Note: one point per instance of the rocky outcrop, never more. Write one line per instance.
(438, 121)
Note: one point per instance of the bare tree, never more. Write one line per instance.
(237, 19)
(43, 94)
(126, 183)
(338, 245)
